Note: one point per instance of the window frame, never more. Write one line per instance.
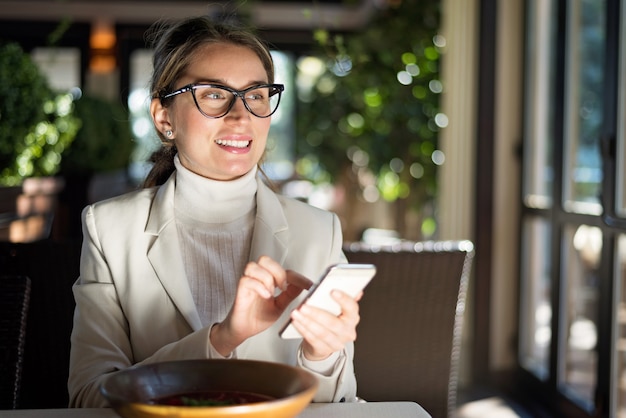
(548, 393)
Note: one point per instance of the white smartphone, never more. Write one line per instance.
(349, 278)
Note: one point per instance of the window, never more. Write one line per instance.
(539, 118)
(572, 307)
(618, 376)
(60, 65)
(621, 122)
(580, 257)
(536, 309)
(584, 76)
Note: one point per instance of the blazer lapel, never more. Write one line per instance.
(269, 238)
(165, 256)
(270, 228)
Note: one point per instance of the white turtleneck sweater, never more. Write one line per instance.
(215, 220)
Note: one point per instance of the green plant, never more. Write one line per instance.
(373, 113)
(36, 125)
(104, 141)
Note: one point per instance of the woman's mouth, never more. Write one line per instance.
(233, 143)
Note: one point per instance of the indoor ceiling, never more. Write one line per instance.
(267, 14)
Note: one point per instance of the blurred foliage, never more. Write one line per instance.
(374, 110)
(36, 125)
(104, 141)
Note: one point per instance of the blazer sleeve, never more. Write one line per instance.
(340, 384)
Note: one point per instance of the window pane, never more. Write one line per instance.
(279, 160)
(536, 306)
(60, 65)
(621, 123)
(139, 107)
(582, 247)
(583, 105)
(538, 169)
(619, 371)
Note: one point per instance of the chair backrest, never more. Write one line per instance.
(52, 267)
(14, 301)
(409, 338)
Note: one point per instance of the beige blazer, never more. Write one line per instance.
(134, 305)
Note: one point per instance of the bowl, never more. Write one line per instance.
(134, 392)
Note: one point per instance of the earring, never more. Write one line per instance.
(168, 133)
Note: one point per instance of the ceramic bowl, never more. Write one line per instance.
(137, 392)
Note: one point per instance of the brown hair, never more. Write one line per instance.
(174, 48)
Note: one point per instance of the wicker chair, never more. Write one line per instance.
(52, 267)
(14, 301)
(409, 338)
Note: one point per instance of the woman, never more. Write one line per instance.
(202, 262)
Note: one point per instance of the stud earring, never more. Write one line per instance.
(168, 134)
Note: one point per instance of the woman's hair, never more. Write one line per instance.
(175, 46)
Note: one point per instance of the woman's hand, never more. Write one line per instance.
(257, 306)
(323, 332)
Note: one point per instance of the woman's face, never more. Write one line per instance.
(230, 146)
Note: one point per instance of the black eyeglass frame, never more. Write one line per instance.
(236, 93)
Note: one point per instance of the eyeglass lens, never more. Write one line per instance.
(215, 101)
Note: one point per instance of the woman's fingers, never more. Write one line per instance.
(349, 307)
(296, 284)
(268, 274)
(257, 286)
(325, 333)
(318, 343)
(277, 272)
(298, 280)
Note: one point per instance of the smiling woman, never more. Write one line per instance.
(206, 261)
(197, 123)
(278, 160)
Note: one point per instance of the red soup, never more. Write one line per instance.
(212, 398)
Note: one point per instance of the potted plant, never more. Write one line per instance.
(100, 153)
(36, 127)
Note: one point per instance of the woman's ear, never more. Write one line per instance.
(160, 116)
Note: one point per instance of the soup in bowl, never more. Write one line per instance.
(210, 388)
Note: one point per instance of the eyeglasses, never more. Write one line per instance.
(215, 101)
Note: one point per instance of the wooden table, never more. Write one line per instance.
(316, 410)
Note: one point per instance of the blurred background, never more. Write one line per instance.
(495, 121)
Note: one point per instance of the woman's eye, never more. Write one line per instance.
(206, 94)
(254, 96)
(213, 95)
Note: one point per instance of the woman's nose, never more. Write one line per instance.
(239, 109)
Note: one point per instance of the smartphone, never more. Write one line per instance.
(349, 278)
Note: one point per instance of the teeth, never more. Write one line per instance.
(232, 143)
